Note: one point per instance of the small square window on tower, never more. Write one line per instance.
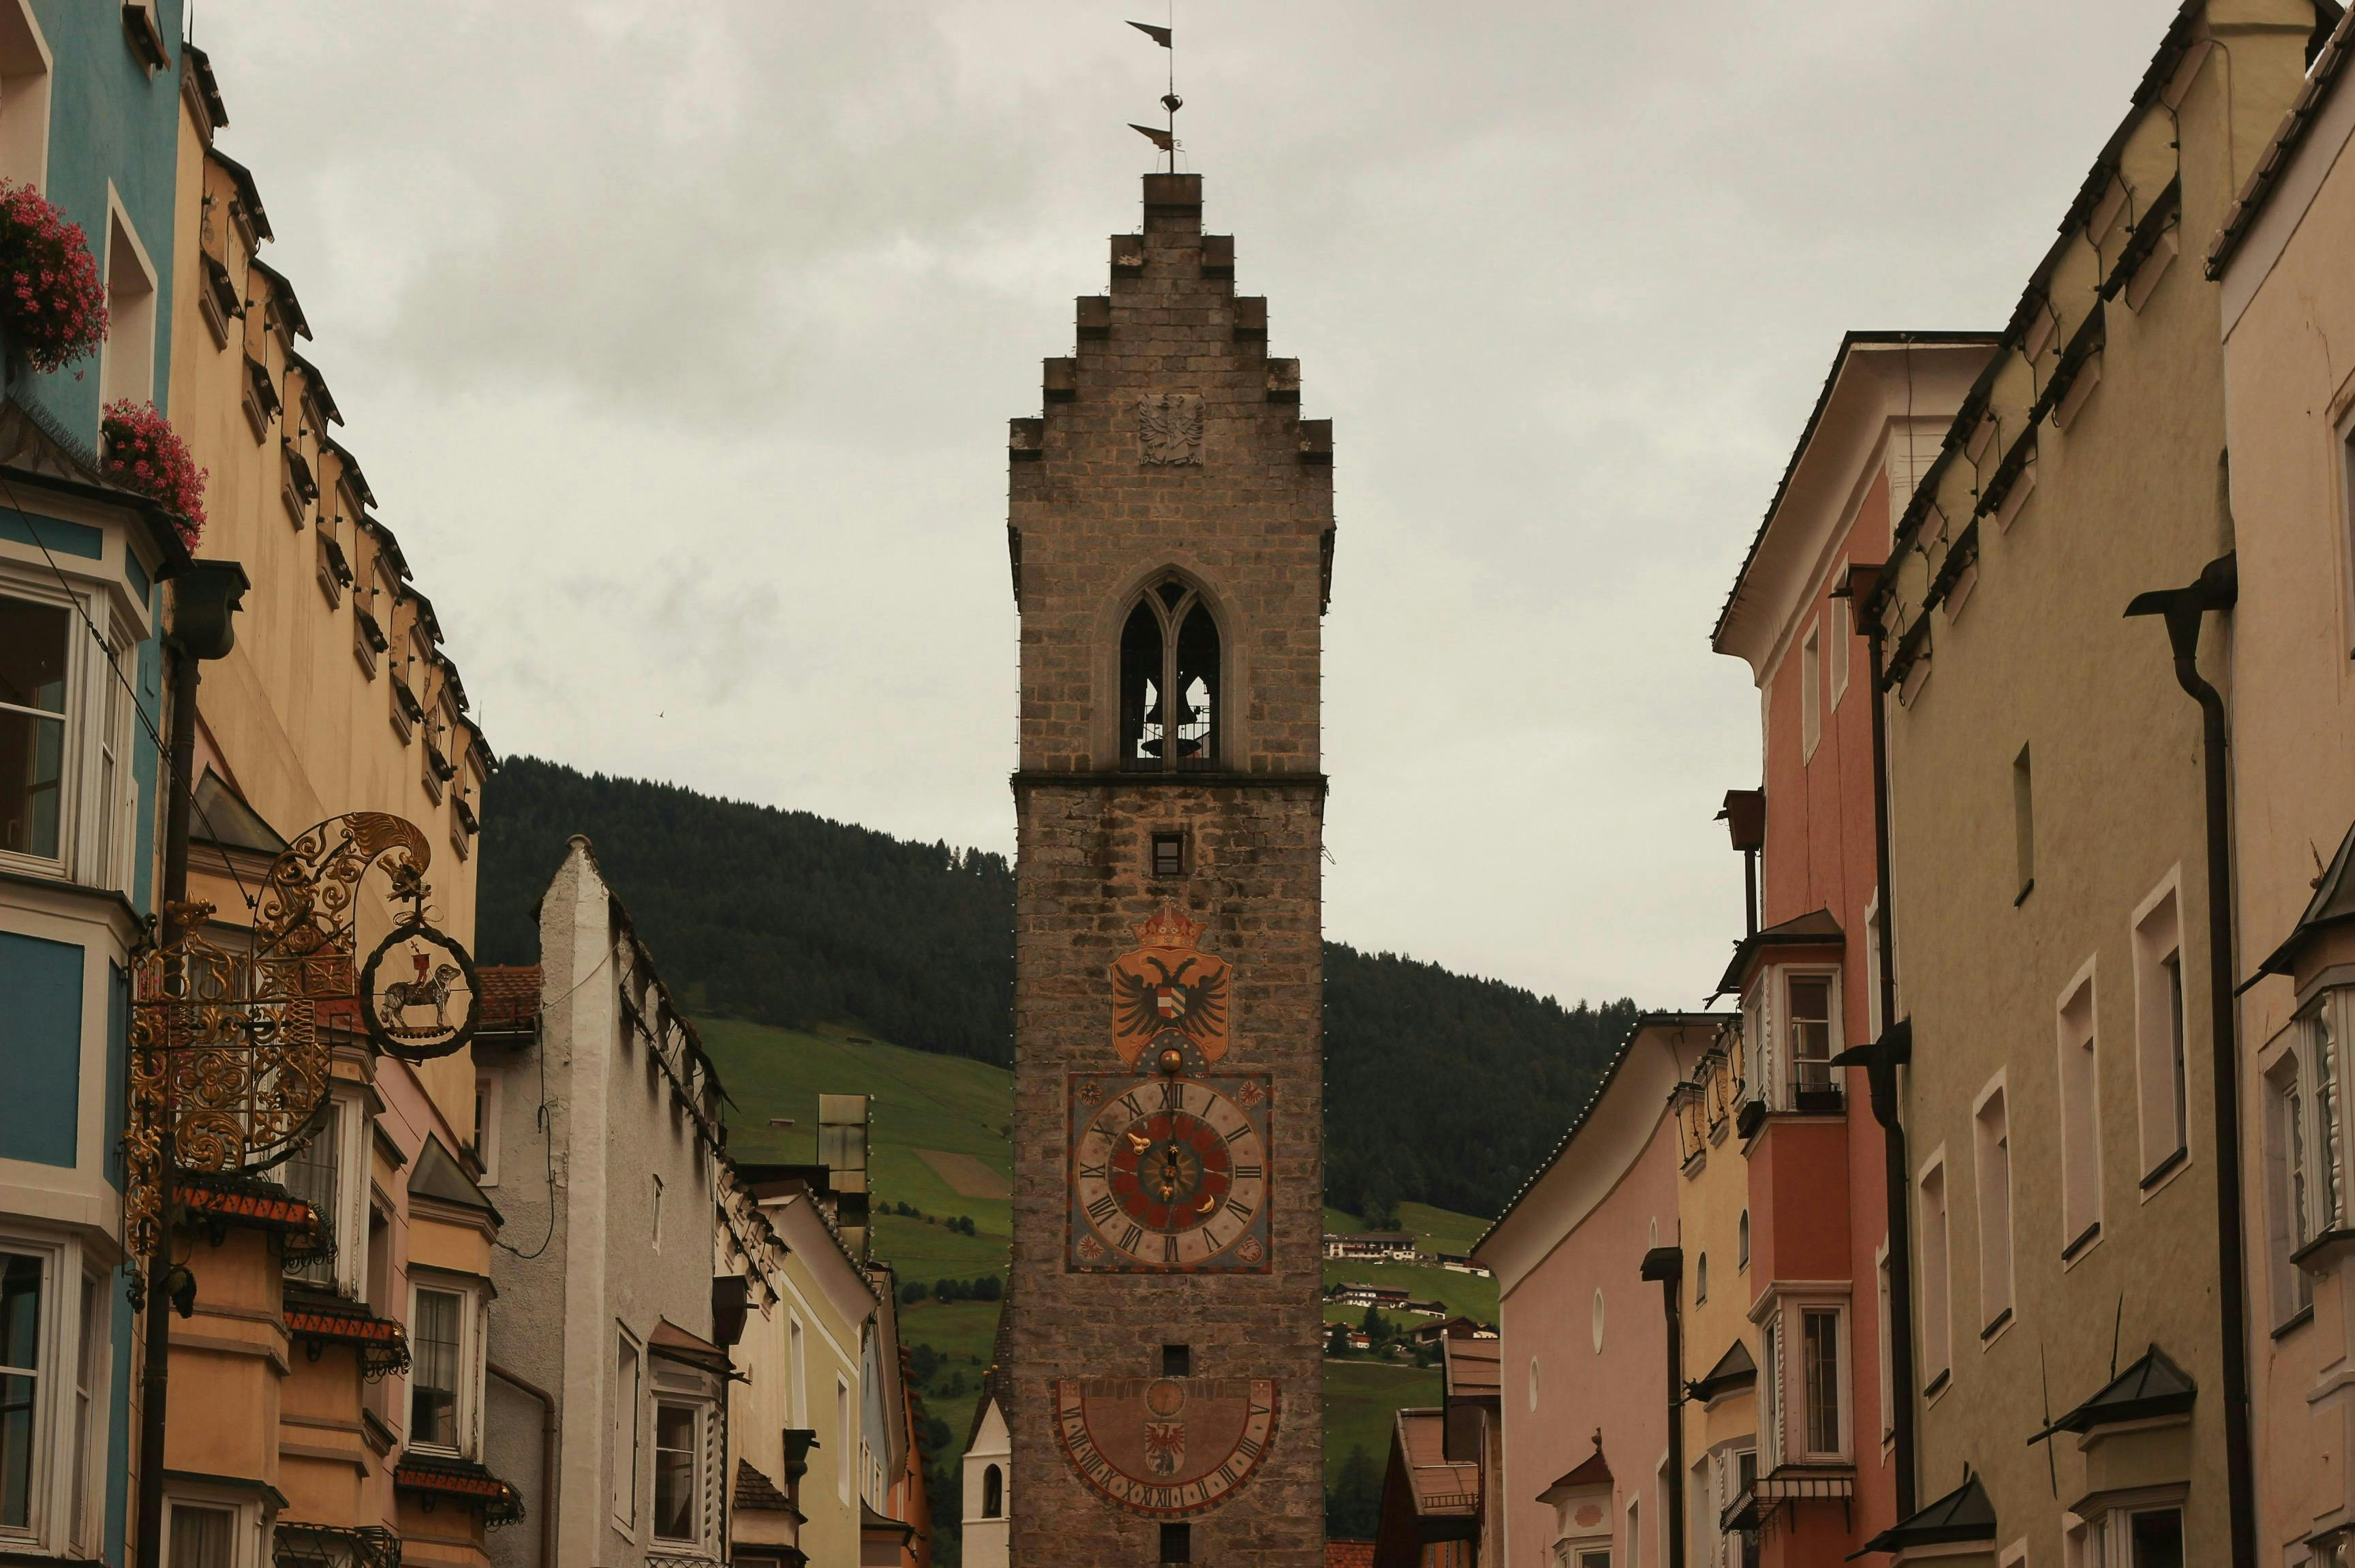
(1176, 1360)
(1177, 1544)
(1169, 855)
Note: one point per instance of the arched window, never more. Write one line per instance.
(993, 1492)
(1169, 644)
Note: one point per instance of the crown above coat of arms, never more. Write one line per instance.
(1168, 928)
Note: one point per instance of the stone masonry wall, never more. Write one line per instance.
(1092, 524)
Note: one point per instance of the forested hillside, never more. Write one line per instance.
(1440, 1088)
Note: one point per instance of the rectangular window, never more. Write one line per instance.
(842, 1437)
(89, 1428)
(33, 651)
(799, 1392)
(201, 1537)
(312, 1174)
(24, 97)
(2158, 1038)
(1169, 855)
(1811, 1033)
(658, 1226)
(1873, 1021)
(679, 1502)
(1177, 1544)
(486, 1127)
(1992, 1133)
(2080, 1127)
(625, 1434)
(23, 1325)
(117, 794)
(1841, 637)
(127, 362)
(2323, 1187)
(1937, 1319)
(1769, 1390)
(1887, 1380)
(1821, 1328)
(435, 1329)
(2286, 1177)
(2023, 822)
(1811, 701)
(2154, 1537)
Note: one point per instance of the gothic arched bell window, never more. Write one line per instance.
(1169, 645)
(993, 1492)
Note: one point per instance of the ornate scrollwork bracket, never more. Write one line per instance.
(229, 1048)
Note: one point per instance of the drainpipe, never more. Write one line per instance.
(1885, 1056)
(548, 1455)
(1667, 1264)
(2217, 588)
(205, 597)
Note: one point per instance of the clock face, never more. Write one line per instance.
(1169, 1173)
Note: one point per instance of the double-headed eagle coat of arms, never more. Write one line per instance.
(1169, 985)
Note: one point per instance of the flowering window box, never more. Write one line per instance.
(52, 299)
(144, 454)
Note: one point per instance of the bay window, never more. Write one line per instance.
(35, 644)
(54, 1366)
(329, 1172)
(1820, 1330)
(445, 1370)
(68, 799)
(679, 1492)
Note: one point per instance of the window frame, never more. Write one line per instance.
(30, 87)
(845, 1415)
(1839, 633)
(347, 1272)
(72, 1288)
(629, 1427)
(133, 331)
(2162, 1045)
(247, 1526)
(2077, 1043)
(1996, 1313)
(1811, 696)
(1169, 620)
(466, 1404)
(1834, 1035)
(1938, 1332)
(699, 1414)
(489, 1095)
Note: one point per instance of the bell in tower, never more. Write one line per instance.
(1171, 524)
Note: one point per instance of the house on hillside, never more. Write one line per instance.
(1361, 1295)
(1456, 1328)
(1372, 1246)
(1460, 1262)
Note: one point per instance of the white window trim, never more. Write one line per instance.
(626, 1440)
(1935, 1165)
(2085, 983)
(845, 1413)
(33, 168)
(700, 1448)
(2325, 1009)
(1873, 1026)
(2169, 888)
(1884, 1323)
(1783, 1413)
(1993, 1324)
(2284, 1130)
(1811, 689)
(80, 858)
(486, 1127)
(118, 222)
(1839, 633)
(69, 1278)
(249, 1537)
(354, 1136)
(466, 1415)
(1785, 1082)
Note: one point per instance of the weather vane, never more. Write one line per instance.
(1165, 140)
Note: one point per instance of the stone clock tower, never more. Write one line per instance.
(1172, 538)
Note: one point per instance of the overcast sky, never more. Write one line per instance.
(678, 342)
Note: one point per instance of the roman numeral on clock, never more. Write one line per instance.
(1102, 1209)
(1173, 1095)
(1096, 1172)
(1131, 1239)
(1240, 1210)
(1242, 1173)
(1169, 1248)
(1132, 1105)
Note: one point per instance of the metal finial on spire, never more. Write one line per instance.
(1166, 139)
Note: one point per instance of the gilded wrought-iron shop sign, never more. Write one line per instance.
(229, 1046)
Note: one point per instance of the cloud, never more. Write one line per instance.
(679, 341)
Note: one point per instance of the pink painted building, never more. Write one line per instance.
(1582, 1362)
(1823, 1475)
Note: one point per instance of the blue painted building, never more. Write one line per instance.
(89, 113)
